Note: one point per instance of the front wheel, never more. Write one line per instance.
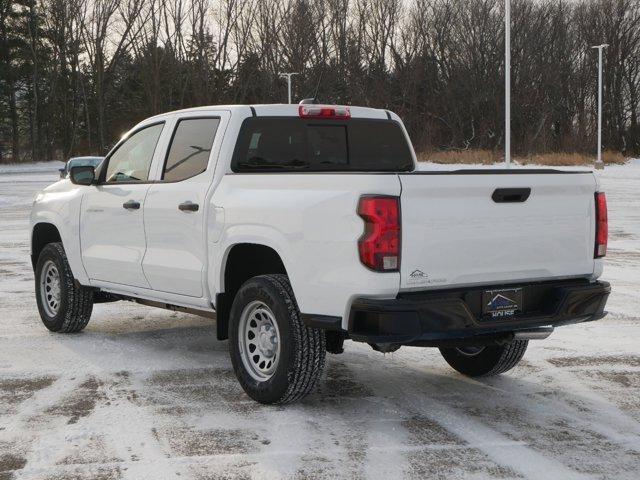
(485, 361)
(276, 358)
(64, 306)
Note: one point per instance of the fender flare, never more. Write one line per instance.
(70, 242)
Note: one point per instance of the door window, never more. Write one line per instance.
(132, 160)
(190, 148)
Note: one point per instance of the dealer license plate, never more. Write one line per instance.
(502, 303)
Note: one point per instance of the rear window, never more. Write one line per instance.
(268, 144)
(190, 148)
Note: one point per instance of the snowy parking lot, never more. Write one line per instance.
(144, 393)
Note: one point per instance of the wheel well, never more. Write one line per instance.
(244, 261)
(43, 233)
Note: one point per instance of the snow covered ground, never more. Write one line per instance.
(148, 394)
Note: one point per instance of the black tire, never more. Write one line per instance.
(75, 301)
(301, 357)
(488, 361)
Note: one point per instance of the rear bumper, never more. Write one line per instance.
(438, 318)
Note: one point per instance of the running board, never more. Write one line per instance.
(168, 306)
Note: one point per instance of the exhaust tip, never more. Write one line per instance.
(533, 333)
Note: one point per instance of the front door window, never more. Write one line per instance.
(132, 159)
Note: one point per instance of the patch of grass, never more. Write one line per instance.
(573, 159)
(489, 157)
(483, 157)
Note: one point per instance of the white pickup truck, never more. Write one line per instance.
(300, 226)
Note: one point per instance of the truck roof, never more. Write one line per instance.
(278, 110)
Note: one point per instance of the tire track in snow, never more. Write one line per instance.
(514, 455)
(129, 428)
(606, 419)
(125, 428)
(384, 462)
(39, 402)
(17, 429)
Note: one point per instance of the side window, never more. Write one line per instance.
(132, 160)
(190, 148)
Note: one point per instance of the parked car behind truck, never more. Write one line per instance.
(298, 227)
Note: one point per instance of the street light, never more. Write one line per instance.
(507, 83)
(288, 75)
(599, 165)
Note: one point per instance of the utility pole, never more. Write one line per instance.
(507, 83)
(599, 164)
(288, 76)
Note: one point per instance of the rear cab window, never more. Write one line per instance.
(291, 144)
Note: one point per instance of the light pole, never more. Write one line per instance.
(507, 83)
(599, 165)
(288, 75)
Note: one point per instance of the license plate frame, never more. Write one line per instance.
(501, 303)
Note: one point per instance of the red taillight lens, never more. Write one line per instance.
(379, 246)
(602, 225)
(324, 111)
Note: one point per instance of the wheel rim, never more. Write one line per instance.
(50, 288)
(259, 341)
(470, 351)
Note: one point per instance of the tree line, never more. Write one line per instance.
(76, 74)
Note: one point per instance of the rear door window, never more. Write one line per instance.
(190, 148)
(283, 144)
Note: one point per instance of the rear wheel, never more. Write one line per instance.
(64, 306)
(485, 361)
(276, 358)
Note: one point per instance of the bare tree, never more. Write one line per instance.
(74, 74)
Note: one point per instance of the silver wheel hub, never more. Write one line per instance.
(50, 290)
(259, 341)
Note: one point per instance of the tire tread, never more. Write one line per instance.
(311, 356)
(511, 355)
(492, 361)
(79, 299)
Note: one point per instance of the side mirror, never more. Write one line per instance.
(63, 172)
(82, 175)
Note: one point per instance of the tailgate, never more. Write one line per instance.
(454, 233)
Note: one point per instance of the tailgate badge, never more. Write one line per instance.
(419, 278)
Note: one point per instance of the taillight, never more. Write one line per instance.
(379, 245)
(324, 111)
(602, 225)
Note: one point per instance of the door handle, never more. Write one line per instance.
(511, 195)
(188, 207)
(131, 205)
